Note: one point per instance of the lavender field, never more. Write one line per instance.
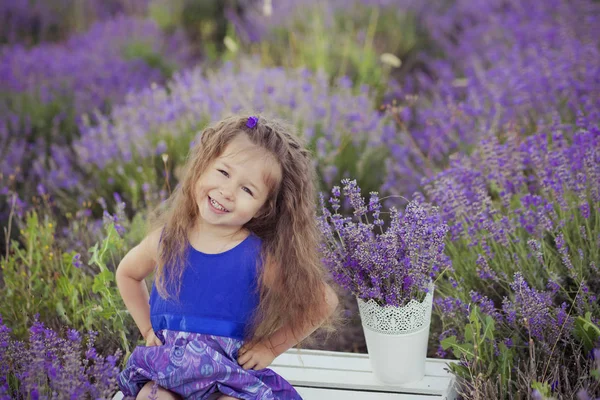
(488, 110)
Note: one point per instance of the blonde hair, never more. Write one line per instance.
(286, 224)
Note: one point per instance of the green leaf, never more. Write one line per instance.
(448, 342)
(544, 388)
(459, 349)
(505, 363)
(63, 286)
(460, 370)
(586, 331)
(489, 328)
(102, 281)
(468, 333)
(94, 251)
(474, 320)
(106, 314)
(491, 370)
(60, 310)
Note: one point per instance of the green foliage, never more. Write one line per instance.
(364, 163)
(349, 45)
(478, 350)
(40, 278)
(543, 388)
(587, 331)
(161, 172)
(144, 51)
(167, 15)
(203, 21)
(41, 116)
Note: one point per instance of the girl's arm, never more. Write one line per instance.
(137, 264)
(262, 354)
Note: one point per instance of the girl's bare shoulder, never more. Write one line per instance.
(141, 260)
(151, 242)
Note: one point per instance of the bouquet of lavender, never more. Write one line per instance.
(390, 262)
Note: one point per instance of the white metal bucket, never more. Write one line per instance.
(397, 339)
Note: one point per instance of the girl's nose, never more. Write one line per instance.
(226, 192)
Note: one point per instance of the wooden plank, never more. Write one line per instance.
(451, 393)
(335, 394)
(329, 369)
(346, 361)
(358, 380)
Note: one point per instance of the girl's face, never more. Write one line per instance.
(234, 187)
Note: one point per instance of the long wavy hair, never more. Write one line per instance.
(292, 270)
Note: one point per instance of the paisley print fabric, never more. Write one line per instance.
(199, 366)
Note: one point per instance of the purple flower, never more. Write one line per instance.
(252, 121)
(47, 361)
(392, 264)
(352, 191)
(73, 335)
(77, 261)
(536, 395)
(91, 354)
(585, 210)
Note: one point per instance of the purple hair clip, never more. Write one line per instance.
(252, 121)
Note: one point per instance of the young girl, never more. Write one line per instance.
(237, 274)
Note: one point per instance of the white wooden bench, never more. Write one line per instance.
(320, 375)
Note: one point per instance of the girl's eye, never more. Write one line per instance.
(223, 172)
(245, 189)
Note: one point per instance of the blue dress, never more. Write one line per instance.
(203, 330)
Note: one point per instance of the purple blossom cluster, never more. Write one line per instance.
(523, 220)
(50, 366)
(527, 183)
(27, 21)
(390, 265)
(94, 68)
(504, 201)
(535, 311)
(163, 119)
(508, 65)
(47, 87)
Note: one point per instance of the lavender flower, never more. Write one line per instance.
(49, 364)
(479, 89)
(390, 265)
(24, 20)
(535, 310)
(461, 191)
(77, 261)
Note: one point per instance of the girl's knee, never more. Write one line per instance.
(161, 394)
(225, 397)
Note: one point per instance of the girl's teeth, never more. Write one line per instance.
(217, 205)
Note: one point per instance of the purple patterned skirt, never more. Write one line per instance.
(198, 366)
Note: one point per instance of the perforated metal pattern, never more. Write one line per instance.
(396, 320)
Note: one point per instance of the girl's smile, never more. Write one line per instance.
(218, 208)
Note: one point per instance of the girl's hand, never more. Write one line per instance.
(257, 357)
(152, 339)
